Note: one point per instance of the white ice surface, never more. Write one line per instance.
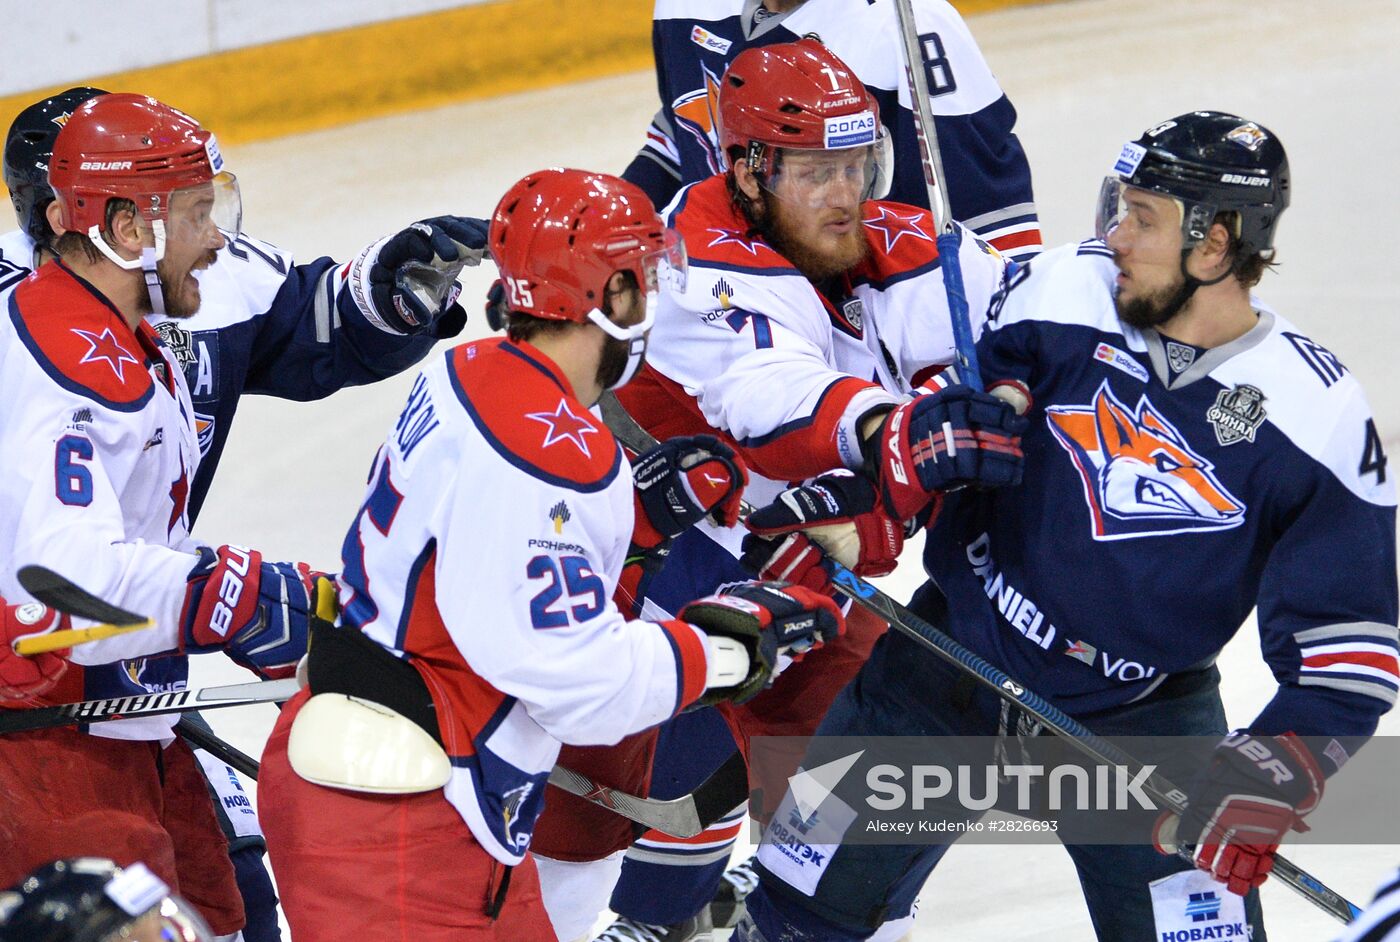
(1085, 76)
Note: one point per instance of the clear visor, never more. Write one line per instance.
(1120, 202)
(197, 214)
(172, 921)
(665, 269)
(819, 179)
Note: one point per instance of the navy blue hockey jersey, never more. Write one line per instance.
(1161, 505)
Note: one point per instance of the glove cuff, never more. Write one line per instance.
(358, 284)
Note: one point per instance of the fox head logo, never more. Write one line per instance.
(697, 112)
(1140, 476)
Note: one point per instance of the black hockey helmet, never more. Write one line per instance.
(89, 899)
(1210, 162)
(28, 146)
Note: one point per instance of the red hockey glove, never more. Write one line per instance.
(680, 481)
(25, 677)
(1255, 790)
(258, 612)
(839, 514)
(951, 438)
(768, 618)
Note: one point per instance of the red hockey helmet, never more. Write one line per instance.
(557, 236)
(132, 147)
(799, 96)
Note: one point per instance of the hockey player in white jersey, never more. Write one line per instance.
(814, 308)
(268, 325)
(477, 628)
(989, 179)
(1191, 455)
(100, 446)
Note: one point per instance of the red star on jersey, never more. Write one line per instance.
(894, 226)
(565, 426)
(735, 237)
(104, 346)
(179, 495)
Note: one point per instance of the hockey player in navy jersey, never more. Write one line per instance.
(812, 311)
(91, 899)
(988, 177)
(478, 630)
(1191, 455)
(265, 325)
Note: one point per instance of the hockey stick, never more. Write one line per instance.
(70, 637)
(226, 753)
(949, 240)
(686, 816)
(147, 704)
(1163, 792)
(67, 596)
(681, 817)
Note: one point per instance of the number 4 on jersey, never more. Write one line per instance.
(1373, 459)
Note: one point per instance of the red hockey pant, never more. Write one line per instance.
(384, 868)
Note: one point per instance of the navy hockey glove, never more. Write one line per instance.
(25, 677)
(838, 515)
(768, 619)
(406, 282)
(1255, 790)
(258, 613)
(952, 438)
(681, 481)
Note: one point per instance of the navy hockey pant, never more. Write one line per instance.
(904, 690)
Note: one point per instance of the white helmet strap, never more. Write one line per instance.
(150, 256)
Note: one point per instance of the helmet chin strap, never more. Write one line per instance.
(150, 256)
(1188, 288)
(635, 337)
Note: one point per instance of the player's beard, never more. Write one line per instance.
(181, 298)
(817, 263)
(1155, 309)
(613, 363)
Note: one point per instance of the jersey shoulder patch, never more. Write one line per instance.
(902, 239)
(718, 236)
(518, 401)
(81, 341)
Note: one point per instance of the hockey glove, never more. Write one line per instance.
(952, 438)
(682, 480)
(497, 307)
(258, 613)
(1255, 790)
(768, 619)
(25, 677)
(838, 515)
(406, 282)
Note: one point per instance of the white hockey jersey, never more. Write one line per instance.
(487, 551)
(752, 349)
(99, 450)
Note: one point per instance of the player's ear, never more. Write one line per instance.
(125, 232)
(746, 181)
(54, 214)
(1213, 252)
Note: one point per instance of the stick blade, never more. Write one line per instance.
(65, 595)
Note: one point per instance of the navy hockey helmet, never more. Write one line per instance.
(89, 899)
(28, 146)
(1210, 162)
